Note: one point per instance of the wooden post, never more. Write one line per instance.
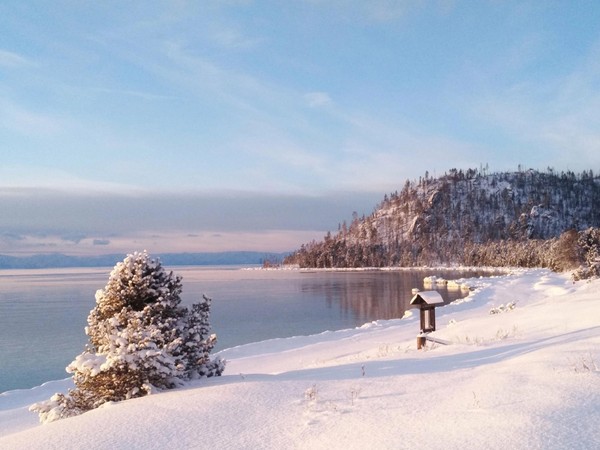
(421, 340)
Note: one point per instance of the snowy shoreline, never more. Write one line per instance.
(442, 268)
(526, 377)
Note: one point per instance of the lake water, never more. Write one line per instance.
(43, 312)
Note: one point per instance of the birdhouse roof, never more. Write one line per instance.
(427, 297)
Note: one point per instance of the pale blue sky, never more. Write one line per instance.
(222, 125)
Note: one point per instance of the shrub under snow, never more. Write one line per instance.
(589, 242)
(141, 340)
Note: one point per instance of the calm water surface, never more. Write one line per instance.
(43, 312)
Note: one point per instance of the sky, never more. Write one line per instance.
(180, 126)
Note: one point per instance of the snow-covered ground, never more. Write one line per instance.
(526, 378)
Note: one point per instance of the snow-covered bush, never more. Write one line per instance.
(565, 252)
(503, 308)
(141, 340)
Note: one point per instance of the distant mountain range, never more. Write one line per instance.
(462, 217)
(58, 260)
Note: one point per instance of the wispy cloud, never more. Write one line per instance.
(318, 99)
(25, 121)
(138, 94)
(13, 60)
(375, 11)
(389, 10)
(556, 116)
(232, 38)
(11, 236)
(21, 181)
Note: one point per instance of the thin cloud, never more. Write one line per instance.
(11, 236)
(231, 38)
(25, 121)
(206, 75)
(75, 238)
(389, 10)
(556, 116)
(374, 11)
(12, 60)
(139, 94)
(21, 181)
(318, 99)
(272, 145)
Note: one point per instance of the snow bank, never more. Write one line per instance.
(526, 378)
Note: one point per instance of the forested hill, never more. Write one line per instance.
(467, 217)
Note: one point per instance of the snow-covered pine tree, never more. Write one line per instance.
(199, 342)
(141, 340)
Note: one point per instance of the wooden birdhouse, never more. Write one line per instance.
(427, 301)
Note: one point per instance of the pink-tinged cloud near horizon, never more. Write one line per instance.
(278, 241)
(92, 223)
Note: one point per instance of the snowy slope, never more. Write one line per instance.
(525, 378)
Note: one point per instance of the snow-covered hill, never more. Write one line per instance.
(528, 377)
(440, 220)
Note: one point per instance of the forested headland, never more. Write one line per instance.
(523, 218)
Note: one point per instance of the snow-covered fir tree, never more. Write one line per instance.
(140, 340)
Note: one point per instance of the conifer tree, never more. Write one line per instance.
(140, 340)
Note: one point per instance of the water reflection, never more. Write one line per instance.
(373, 295)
